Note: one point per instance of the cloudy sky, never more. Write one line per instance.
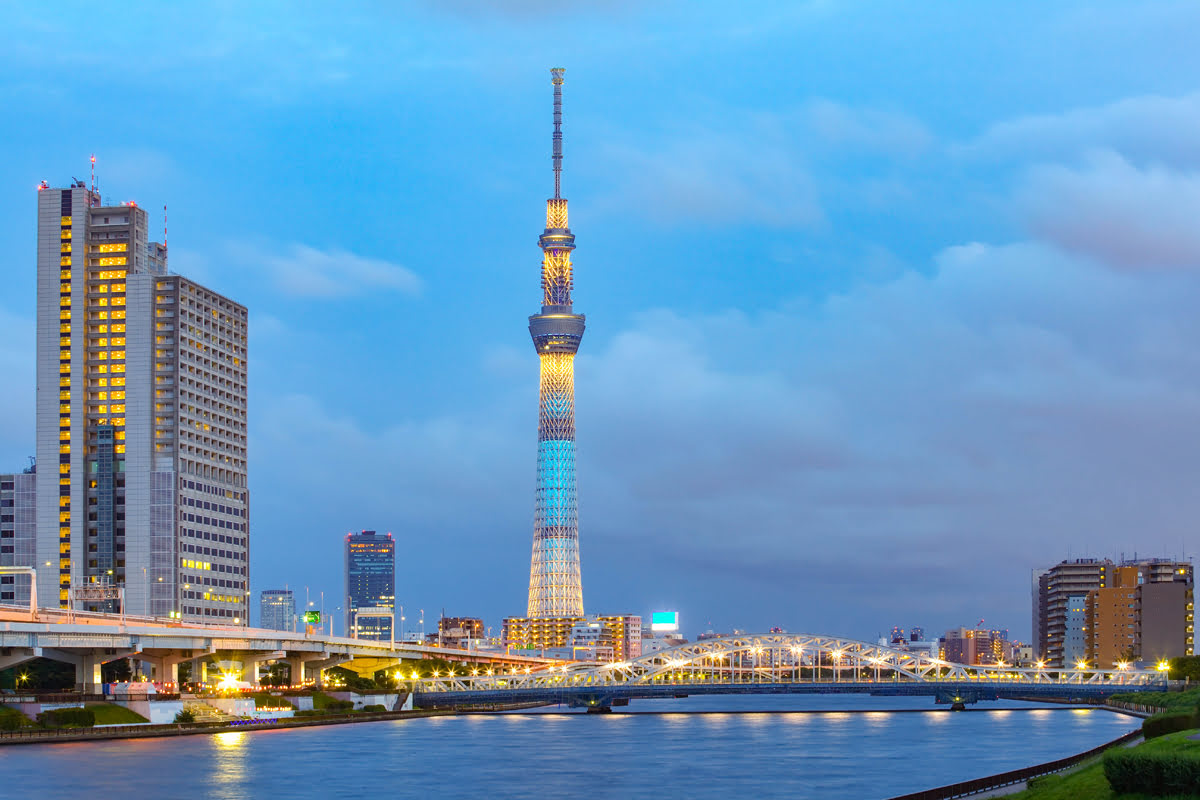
(887, 304)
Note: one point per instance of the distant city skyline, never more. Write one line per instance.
(876, 327)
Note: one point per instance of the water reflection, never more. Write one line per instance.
(228, 774)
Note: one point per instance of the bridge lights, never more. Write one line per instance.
(1081, 664)
(1122, 665)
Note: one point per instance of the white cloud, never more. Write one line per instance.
(1117, 212)
(302, 270)
(1150, 127)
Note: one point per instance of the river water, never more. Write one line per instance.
(697, 748)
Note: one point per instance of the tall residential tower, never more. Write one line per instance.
(555, 587)
(141, 422)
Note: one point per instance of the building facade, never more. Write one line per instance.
(976, 646)
(1144, 614)
(277, 610)
(18, 534)
(1062, 590)
(555, 584)
(619, 634)
(370, 585)
(142, 495)
(458, 631)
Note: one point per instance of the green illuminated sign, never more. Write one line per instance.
(312, 617)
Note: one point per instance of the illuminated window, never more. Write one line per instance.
(64, 261)
(113, 261)
(65, 275)
(119, 436)
(119, 328)
(64, 448)
(119, 422)
(64, 314)
(118, 395)
(102, 287)
(118, 367)
(64, 381)
(103, 356)
(98, 342)
(118, 381)
(118, 409)
(100, 301)
(119, 314)
(101, 395)
(100, 368)
(66, 222)
(64, 436)
(64, 409)
(64, 234)
(118, 353)
(64, 302)
(66, 340)
(119, 247)
(117, 287)
(119, 448)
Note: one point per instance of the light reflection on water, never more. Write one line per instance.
(824, 754)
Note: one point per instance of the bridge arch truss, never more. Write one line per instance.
(777, 658)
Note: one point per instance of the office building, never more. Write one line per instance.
(141, 422)
(18, 534)
(1145, 613)
(555, 585)
(370, 585)
(277, 610)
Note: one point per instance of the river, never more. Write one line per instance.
(697, 748)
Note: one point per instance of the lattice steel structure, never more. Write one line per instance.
(555, 587)
(784, 659)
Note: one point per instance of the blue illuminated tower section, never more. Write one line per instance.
(555, 587)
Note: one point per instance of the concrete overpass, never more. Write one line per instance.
(89, 640)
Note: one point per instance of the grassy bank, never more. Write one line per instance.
(1089, 783)
(109, 714)
(1164, 701)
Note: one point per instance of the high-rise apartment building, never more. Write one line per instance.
(1061, 592)
(18, 534)
(370, 585)
(622, 634)
(1144, 614)
(1094, 611)
(277, 610)
(141, 422)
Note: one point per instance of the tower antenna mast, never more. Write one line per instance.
(556, 77)
(92, 191)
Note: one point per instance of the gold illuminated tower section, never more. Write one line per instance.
(555, 587)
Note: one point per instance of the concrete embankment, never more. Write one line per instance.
(33, 736)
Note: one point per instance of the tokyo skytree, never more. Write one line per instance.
(555, 587)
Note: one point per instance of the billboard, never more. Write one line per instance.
(666, 621)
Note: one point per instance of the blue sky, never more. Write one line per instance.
(887, 304)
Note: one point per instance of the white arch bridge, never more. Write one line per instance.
(775, 664)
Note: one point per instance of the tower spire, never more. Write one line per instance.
(556, 77)
(555, 587)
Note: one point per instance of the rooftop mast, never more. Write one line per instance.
(556, 77)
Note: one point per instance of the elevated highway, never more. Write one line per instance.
(88, 640)
(776, 664)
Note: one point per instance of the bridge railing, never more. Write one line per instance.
(781, 659)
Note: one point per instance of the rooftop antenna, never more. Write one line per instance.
(92, 191)
(164, 226)
(556, 77)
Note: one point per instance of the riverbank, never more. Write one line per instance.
(110, 732)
